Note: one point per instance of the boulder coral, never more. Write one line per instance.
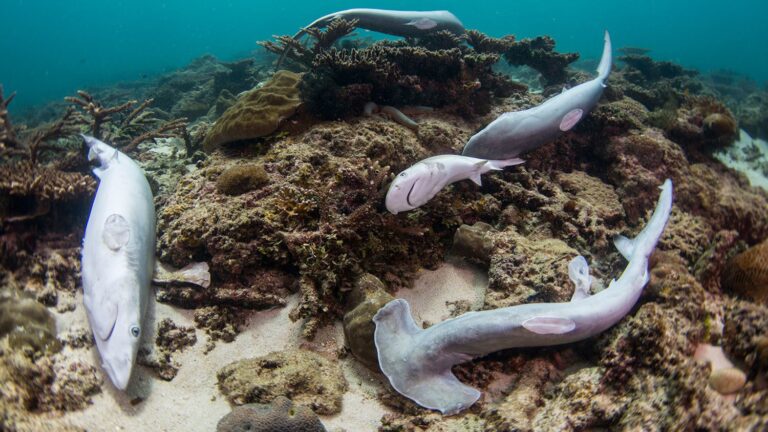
(278, 416)
(258, 112)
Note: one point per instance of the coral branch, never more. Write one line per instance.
(99, 114)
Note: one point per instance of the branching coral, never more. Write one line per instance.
(539, 53)
(324, 39)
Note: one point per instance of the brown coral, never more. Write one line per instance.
(746, 274)
(258, 112)
(278, 416)
(241, 178)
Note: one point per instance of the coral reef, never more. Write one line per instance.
(258, 112)
(280, 415)
(746, 274)
(170, 338)
(305, 377)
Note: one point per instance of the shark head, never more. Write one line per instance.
(118, 330)
(411, 188)
(100, 151)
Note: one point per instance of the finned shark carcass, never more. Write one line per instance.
(118, 258)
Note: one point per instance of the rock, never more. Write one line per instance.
(746, 274)
(310, 380)
(474, 242)
(280, 415)
(720, 125)
(258, 112)
(728, 380)
(366, 298)
(239, 179)
(27, 323)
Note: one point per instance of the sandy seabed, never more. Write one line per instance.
(192, 401)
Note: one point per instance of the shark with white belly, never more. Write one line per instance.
(118, 259)
(418, 361)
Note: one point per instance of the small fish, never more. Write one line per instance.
(423, 23)
(418, 184)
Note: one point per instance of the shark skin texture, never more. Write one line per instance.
(118, 259)
(517, 132)
(418, 184)
(418, 361)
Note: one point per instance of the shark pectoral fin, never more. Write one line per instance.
(549, 325)
(625, 246)
(475, 177)
(104, 316)
(116, 232)
(570, 119)
(578, 271)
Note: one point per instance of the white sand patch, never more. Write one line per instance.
(749, 156)
(437, 293)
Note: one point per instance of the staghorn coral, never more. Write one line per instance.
(306, 377)
(257, 113)
(539, 53)
(291, 47)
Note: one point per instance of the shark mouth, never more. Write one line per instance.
(408, 197)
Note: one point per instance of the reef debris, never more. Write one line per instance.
(306, 377)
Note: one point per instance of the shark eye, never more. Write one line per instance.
(403, 174)
(135, 331)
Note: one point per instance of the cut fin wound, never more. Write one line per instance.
(549, 325)
(501, 164)
(625, 246)
(423, 23)
(569, 120)
(104, 318)
(116, 232)
(578, 271)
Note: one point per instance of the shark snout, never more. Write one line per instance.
(119, 370)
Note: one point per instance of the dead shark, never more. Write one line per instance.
(517, 132)
(393, 22)
(418, 361)
(118, 259)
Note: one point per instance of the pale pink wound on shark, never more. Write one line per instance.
(423, 23)
(569, 120)
(549, 325)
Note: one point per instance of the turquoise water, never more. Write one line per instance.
(52, 48)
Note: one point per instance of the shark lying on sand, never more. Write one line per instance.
(418, 362)
(118, 259)
(418, 184)
(393, 22)
(517, 132)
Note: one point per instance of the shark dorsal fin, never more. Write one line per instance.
(625, 246)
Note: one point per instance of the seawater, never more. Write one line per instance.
(49, 49)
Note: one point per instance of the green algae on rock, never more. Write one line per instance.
(258, 112)
(308, 378)
(279, 416)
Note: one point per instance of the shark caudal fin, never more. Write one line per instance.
(501, 164)
(646, 241)
(604, 68)
(429, 384)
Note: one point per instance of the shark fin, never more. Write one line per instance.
(578, 271)
(116, 232)
(104, 316)
(549, 325)
(501, 164)
(604, 68)
(475, 177)
(625, 246)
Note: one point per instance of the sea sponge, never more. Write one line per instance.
(239, 179)
(280, 415)
(746, 274)
(258, 112)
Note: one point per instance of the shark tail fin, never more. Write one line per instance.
(604, 68)
(429, 384)
(501, 164)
